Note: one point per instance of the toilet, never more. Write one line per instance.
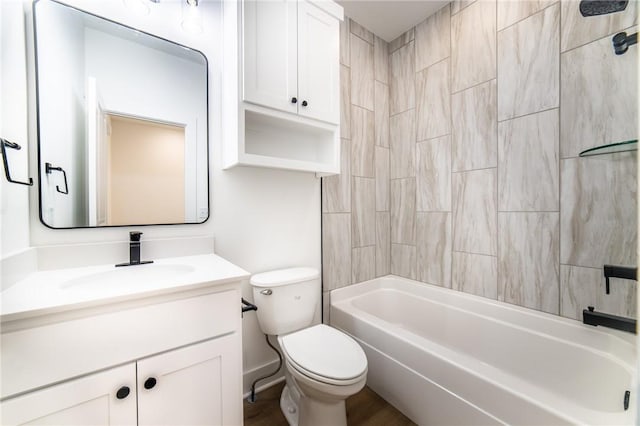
(323, 366)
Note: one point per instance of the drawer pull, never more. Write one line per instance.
(150, 383)
(123, 392)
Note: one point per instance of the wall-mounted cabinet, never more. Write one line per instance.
(281, 85)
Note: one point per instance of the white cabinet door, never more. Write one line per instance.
(270, 53)
(89, 400)
(318, 64)
(195, 385)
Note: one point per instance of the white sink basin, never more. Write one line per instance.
(150, 273)
(58, 290)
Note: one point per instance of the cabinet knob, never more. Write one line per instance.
(304, 103)
(294, 100)
(123, 392)
(150, 383)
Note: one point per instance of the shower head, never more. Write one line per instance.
(602, 7)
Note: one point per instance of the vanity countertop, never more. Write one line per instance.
(60, 290)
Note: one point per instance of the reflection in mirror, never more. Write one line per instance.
(125, 115)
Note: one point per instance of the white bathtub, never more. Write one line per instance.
(443, 357)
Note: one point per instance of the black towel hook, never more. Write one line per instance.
(49, 169)
(3, 147)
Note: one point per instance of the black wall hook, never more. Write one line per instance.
(49, 169)
(4, 144)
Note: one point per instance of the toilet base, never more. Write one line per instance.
(289, 405)
(300, 410)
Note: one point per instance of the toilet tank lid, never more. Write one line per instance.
(284, 277)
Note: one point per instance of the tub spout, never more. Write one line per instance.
(591, 317)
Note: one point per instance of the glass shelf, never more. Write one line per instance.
(611, 148)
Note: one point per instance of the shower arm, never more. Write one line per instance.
(622, 41)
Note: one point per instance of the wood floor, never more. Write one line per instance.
(363, 408)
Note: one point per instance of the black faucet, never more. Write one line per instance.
(134, 250)
(591, 317)
(625, 272)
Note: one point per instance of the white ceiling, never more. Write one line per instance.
(389, 18)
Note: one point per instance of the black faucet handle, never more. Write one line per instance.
(614, 271)
(134, 236)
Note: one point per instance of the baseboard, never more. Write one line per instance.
(249, 376)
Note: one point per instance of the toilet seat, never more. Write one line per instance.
(325, 354)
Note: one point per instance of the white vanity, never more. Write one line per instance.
(147, 344)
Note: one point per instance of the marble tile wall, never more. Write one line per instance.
(433, 175)
(474, 127)
(356, 218)
(433, 243)
(468, 174)
(528, 260)
(529, 59)
(473, 45)
(528, 163)
(402, 95)
(591, 72)
(433, 116)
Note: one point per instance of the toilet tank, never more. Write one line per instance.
(286, 299)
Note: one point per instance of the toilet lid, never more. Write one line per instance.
(325, 352)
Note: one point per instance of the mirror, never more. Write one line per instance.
(122, 123)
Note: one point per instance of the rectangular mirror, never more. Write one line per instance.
(122, 123)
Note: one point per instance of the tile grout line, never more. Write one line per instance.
(473, 86)
(557, 2)
(559, 160)
(498, 274)
(562, 52)
(474, 254)
(451, 197)
(433, 64)
(535, 112)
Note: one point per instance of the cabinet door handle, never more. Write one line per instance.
(294, 100)
(304, 103)
(123, 392)
(150, 383)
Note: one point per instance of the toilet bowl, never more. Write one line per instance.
(323, 366)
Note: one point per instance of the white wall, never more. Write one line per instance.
(14, 207)
(261, 219)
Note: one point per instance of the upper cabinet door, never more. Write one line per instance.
(270, 53)
(318, 64)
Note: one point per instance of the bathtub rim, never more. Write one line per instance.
(341, 299)
(344, 294)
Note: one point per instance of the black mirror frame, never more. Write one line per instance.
(37, 92)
